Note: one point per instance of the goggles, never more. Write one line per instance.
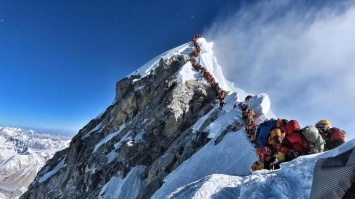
(322, 126)
(275, 140)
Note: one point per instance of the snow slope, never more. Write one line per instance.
(122, 188)
(184, 49)
(293, 180)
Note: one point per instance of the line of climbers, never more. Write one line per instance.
(280, 140)
(248, 115)
(276, 140)
(220, 93)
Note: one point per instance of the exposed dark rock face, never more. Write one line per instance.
(149, 123)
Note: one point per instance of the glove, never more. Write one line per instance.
(292, 155)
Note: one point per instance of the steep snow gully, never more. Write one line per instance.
(209, 158)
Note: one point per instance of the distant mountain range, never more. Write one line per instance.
(22, 154)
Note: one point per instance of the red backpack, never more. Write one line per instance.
(299, 143)
(291, 126)
(296, 142)
(337, 134)
(336, 138)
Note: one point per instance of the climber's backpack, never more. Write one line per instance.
(249, 120)
(337, 133)
(291, 126)
(264, 130)
(249, 117)
(314, 139)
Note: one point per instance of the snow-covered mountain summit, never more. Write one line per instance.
(165, 136)
(162, 115)
(22, 154)
(206, 58)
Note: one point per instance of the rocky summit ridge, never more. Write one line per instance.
(156, 122)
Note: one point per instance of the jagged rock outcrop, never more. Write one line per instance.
(148, 124)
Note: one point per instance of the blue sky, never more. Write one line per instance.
(60, 60)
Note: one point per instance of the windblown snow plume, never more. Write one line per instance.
(299, 52)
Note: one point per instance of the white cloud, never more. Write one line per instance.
(301, 55)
